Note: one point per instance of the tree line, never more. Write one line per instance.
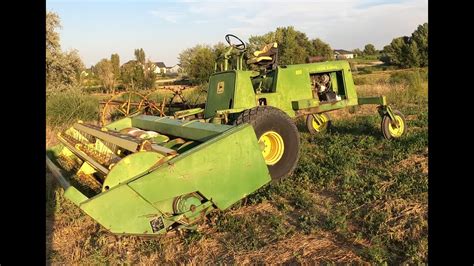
(294, 47)
(65, 69)
(134, 75)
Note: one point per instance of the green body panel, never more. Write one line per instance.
(381, 100)
(120, 124)
(224, 168)
(74, 195)
(192, 130)
(220, 93)
(121, 210)
(244, 96)
(184, 113)
(131, 166)
(306, 103)
(292, 83)
(287, 88)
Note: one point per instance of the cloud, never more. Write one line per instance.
(342, 23)
(168, 15)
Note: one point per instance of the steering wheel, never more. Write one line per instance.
(241, 46)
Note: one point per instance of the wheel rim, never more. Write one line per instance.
(319, 127)
(396, 131)
(272, 147)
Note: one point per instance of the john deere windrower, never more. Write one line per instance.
(146, 175)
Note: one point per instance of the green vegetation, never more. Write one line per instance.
(105, 72)
(65, 108)
(198, 61)
(408, 51)
(369, 49)
(62, 68)
(294, 46)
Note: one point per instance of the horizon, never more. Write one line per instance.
(100, 28)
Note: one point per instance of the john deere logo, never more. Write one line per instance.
(220, 87)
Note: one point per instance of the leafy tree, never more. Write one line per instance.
(115, 60)
(394, 53)
(293, 46)
(140, 55)
(369, 49)
(62, 68)
(198, 62)
(52, 37)
(420, 37)
(132, 75)
(321, 49)
(149, 75)
(411, 56)
(408, 51)
(385, 55)
(139, 74)
(219, 49)
(357, 52)
(105, 72)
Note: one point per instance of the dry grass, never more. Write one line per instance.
(51, 137)
(302, 248)
(416, 161)
(74, 238)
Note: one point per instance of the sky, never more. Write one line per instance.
(98, 28)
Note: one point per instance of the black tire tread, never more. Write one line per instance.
(253, 116)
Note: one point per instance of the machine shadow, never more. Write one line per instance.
(363, 127)
(359, 127)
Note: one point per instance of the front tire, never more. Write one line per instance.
(390, 131)
(314, 127)
(278, 138)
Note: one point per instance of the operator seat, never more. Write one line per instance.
(266, 57)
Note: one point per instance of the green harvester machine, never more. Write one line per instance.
(147, 175)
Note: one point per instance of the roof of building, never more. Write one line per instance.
(341, 51)
(160, 64)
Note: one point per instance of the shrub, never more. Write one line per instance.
(196, 95)
(413, 81)
(93, 89)
(366, 70)
(64, 108)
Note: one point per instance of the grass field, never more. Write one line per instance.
(354, 197)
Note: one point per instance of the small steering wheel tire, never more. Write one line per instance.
(241, 46)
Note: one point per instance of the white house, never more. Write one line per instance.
(174, 69)
(160, 68)
(343, 54)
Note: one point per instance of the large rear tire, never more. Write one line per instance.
(278, 137)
